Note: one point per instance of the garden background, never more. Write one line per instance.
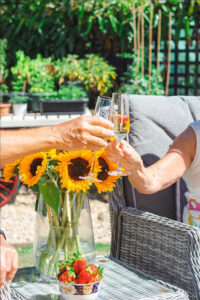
(106, 28)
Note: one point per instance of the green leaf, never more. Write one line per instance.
(89, 25)
(51, 195)
(113, 22)
(187, 27)
(100, 270)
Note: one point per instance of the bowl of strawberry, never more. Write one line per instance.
(77, 280)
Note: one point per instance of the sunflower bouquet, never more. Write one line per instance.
(55, 177)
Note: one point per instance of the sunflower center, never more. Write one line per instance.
(35, 163)
(103, 175)
(78, 167)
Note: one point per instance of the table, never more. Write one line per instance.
(36, 119)
(120, 283)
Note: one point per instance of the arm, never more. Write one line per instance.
(165, 171)
(80, 133)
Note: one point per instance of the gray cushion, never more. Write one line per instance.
(155, 122)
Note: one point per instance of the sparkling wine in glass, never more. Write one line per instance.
(102, 109)
(121, 124)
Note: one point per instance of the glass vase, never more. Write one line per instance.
(58, 236)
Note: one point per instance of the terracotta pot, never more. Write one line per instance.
(4, 109)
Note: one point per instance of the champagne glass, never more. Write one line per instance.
(121, 124)
(102, 109)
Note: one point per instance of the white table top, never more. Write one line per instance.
(36, 120)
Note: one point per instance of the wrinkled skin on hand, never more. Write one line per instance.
(8, 261)
(125, 154)
(84, 132)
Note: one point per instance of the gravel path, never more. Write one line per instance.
(18, 219)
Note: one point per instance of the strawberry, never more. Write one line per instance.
(93, 279)
(76, 281)
(92, 269)
(68, 275)
(62, 267)
(84, 276)
(79, 265)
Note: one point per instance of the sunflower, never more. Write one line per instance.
(10, 169)
(72, 165)
(53, 154)
(107, 181)
(32, 167)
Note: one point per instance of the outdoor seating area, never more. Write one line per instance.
(100, 150)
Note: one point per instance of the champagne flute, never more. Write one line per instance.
(102, 109)
(121, 124)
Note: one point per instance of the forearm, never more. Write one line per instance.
(160, 175)
(146, 180)
(16, 144)
(81, 133)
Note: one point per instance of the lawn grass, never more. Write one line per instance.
(25, 253)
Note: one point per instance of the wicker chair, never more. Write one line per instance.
(151, 242)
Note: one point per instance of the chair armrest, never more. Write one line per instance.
(166, 249)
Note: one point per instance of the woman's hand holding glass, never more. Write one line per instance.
(124, 153)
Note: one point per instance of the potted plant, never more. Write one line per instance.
(41, 81)
(93, 71)
(4, 107)
(71, 98)
(19, 104)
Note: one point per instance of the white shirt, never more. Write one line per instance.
(192, 178)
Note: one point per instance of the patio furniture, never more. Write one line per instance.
(154, 241)
(120, 282)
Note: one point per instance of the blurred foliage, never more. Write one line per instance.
(61, 27)
(93, 71)
(73, 91)
(21, 72)
(33, 75)
(3, 62)
(17, 99)
(136, 83)
(47, 75)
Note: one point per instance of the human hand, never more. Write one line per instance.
(84, 132)
(8, 262)
(124, 154)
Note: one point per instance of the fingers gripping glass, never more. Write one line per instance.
(102, 109)
(121, 124)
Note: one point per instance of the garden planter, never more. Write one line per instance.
(4, 109)
(63, 106)
(20, 109)
(34, 101)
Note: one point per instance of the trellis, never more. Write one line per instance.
(184, 65)
(179, 61)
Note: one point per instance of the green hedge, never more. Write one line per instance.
(60, 27)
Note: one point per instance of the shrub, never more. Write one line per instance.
(93, 71)
(135, 83)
